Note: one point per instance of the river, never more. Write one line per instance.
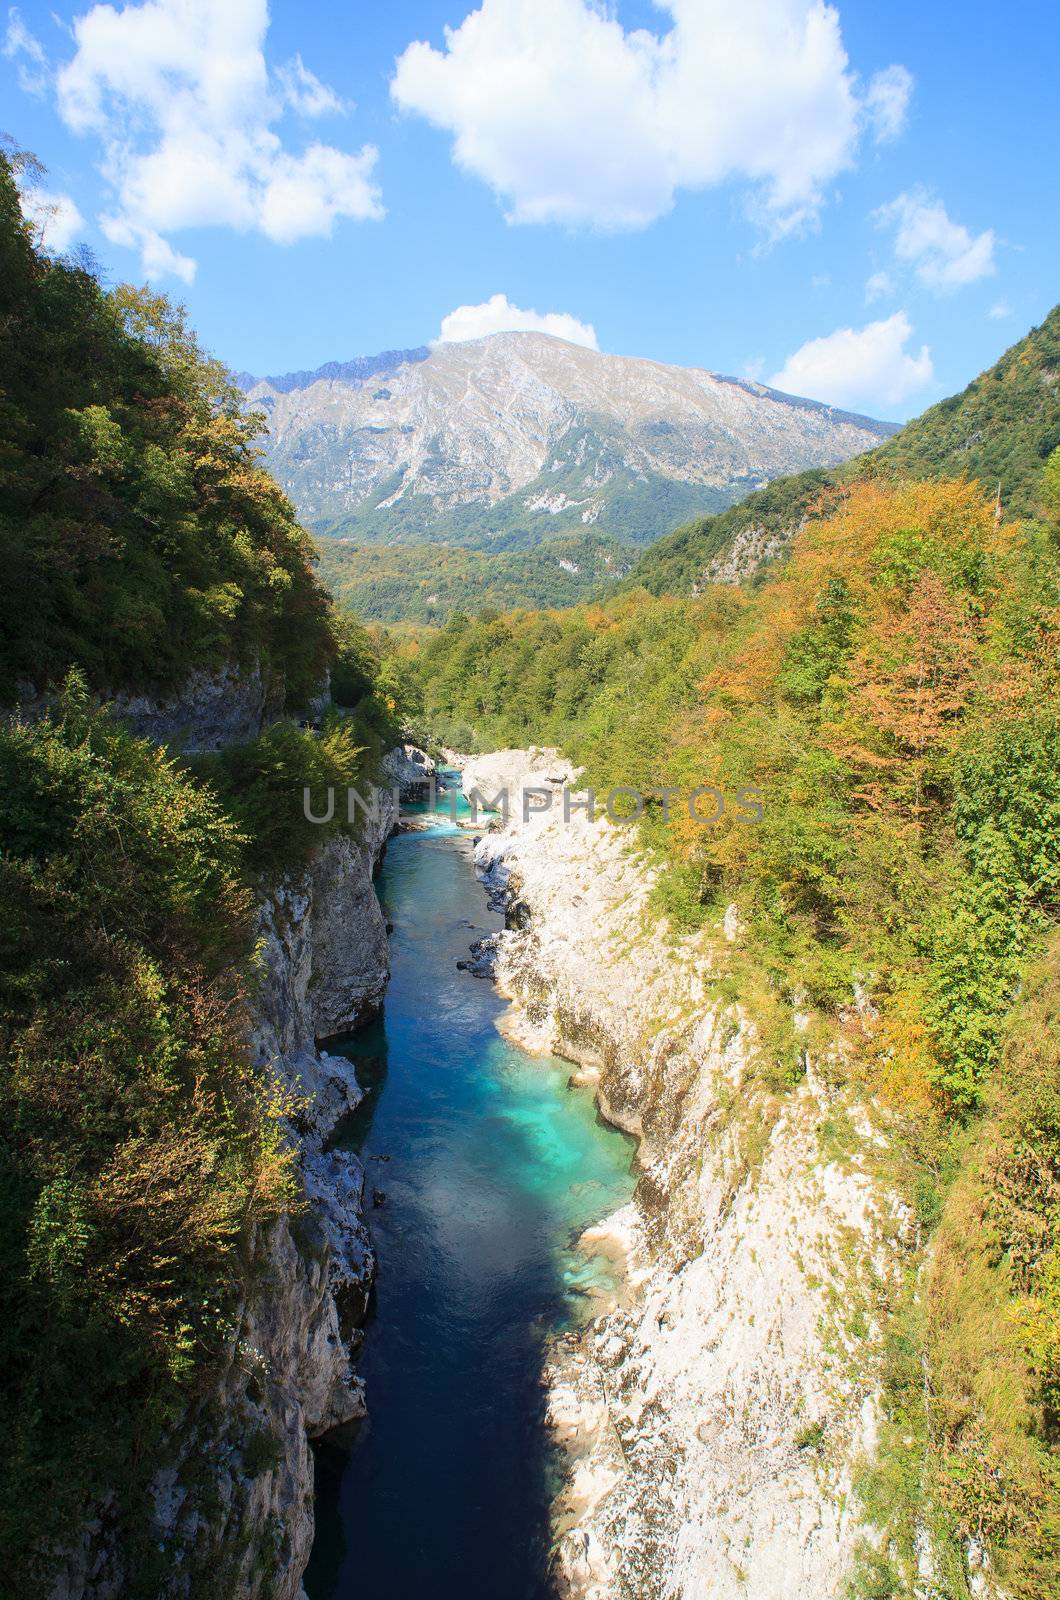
(491, 1167)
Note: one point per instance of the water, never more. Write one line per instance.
(495, 1167)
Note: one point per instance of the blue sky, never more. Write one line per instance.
(856, 202)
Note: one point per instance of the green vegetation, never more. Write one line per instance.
(1001, 430)
(261, 784)
(678, 562)
(138, 1149)
(138, 536)
(893, 696)
(422, 583)
(972, 1359)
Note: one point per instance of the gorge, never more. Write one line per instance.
(530, 1207)
(491, 1167)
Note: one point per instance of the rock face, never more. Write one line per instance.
(750, 549)
(713, 1415)
(528, 434)
(228, 706)
(213, 708)
(233, 1497)
(325, 951)
(409, 770)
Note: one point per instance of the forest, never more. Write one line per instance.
(421, 583)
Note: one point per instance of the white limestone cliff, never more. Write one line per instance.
(713, 1417)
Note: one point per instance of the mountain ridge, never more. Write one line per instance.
(509, 440)
(360, 367)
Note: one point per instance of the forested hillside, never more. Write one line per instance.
(139, 1151)
(138, 535)
(893, 699)
(1001, 430)
(427, 583)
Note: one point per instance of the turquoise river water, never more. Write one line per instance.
(493, 1167)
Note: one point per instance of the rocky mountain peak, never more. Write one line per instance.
(523, 435)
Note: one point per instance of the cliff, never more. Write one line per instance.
(214, 707)
(713, 1417)
(232, 1511)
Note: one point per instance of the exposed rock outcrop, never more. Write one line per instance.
(214, 707)
(750, 549)
(409, 770)
(712, 1417)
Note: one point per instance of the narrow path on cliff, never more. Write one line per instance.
(491, 1166)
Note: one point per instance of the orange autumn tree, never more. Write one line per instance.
(906, 689)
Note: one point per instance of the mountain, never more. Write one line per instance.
(502, 442)
(1000, 429)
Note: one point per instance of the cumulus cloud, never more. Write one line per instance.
(942, 253)
(887, 103)
(498, 315)
(27, 52)
(863, 367)
(55, 219)
(572, 119)
(181, 98)
(1000, 311)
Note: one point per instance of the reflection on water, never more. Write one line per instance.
(495, 1166)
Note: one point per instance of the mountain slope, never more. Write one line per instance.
(1000, 429)
(427, 583)
(139, 540)
(505, 441)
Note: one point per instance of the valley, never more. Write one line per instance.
(618, 1204)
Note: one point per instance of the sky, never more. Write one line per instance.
(854, 202)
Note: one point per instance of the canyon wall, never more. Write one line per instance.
(214, 707)
(714, 1416)
(232, 1501)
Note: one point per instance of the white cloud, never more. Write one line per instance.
(571, 119)
(887, 103)
(180, 96)
(863, 367)
(55, 219)
(942, 253)
(498, 315)
(879, 286)
(1000, 311)
(157, 256)
(22, 47)
(304, 91)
